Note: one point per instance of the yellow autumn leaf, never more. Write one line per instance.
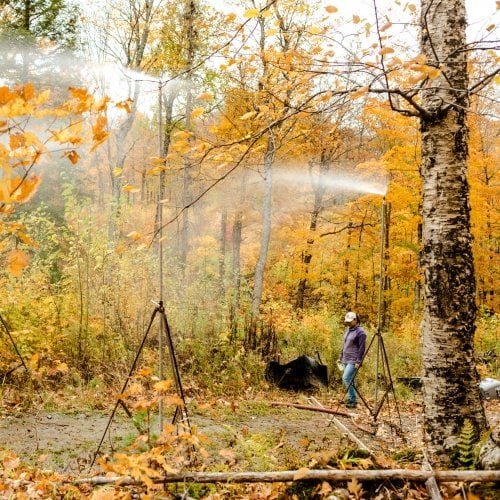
(386, 26)
(155, 170)
(197, 112)
(271, 32)
(417, 78)
(163, 386)
(205, 96)
(17, 260)
(26, 239)
(134, 235)
(182, 135)
(117, 171)
(331, 9)
(33, 361)
(356, 19)
(120, 249)
(433, 73)
(386, 50)
(355, 487)
(248, 115)
(11, 462)
(26, 189)
(411, 7)
(62, 367)
(230, 17)
(42, 97)
(359, 92)
(251, 13)
(315, 30)
(420, 59)
(266, 13)
(130, 189)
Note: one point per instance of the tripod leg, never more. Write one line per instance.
(4, 324)
(180, 412)
(127, 380)
(391, 383)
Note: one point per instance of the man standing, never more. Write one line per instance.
(351, 355)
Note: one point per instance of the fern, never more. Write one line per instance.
(466, 445)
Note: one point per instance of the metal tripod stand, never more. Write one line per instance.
(180, 413)
(383, 377)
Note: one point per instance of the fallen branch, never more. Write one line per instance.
(445, 476)
(311, 408)
(342, 428)
(431, 483)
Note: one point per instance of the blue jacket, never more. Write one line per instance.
(353, 347)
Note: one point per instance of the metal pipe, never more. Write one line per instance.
(380, 289)
(161, 329)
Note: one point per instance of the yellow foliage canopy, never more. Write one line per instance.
(21, 148)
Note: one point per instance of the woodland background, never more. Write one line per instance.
(272, 184)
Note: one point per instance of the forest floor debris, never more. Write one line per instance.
(245, 435)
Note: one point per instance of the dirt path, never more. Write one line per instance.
(249, 436)
(68, 442)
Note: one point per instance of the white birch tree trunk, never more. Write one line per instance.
(451, 392)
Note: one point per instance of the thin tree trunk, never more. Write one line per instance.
(222, 251)
(186, 173)
(266, 228)
(451, 393)
(319, 191)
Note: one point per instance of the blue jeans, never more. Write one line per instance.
(347, 377)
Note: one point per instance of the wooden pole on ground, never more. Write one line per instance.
(444, 476)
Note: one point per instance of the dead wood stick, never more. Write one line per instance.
(312, 408)
(431, 483)
(448, 476)
(342, 428)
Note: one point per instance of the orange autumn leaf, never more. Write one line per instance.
(6, 95)
(17, 260)
(99, 132)
(331, 9)
(163, 385)
(26, 189)
(78, 93)
(72, 156)
(126, 105)
(27, 92)
(301, 473)
(16, 141)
